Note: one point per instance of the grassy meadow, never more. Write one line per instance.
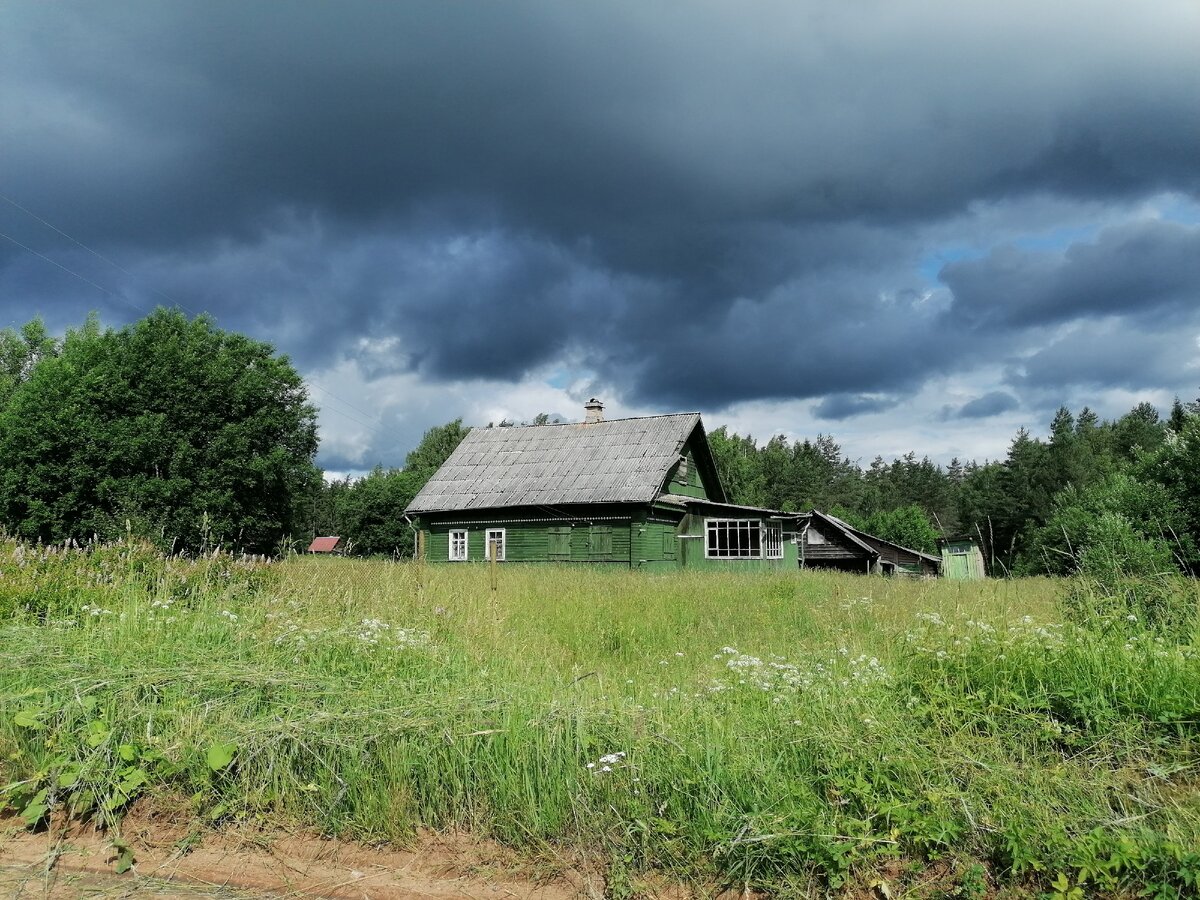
(797, 734)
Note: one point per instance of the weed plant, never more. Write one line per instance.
(793, 733)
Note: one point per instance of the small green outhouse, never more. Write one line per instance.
(962, 559)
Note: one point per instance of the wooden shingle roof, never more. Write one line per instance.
(613, 461)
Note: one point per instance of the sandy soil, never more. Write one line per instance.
(173, 862)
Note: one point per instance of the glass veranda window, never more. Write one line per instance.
(733, 539)
(773, 540)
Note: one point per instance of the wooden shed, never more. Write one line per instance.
(325, 544)
(830, 543)
(962, 559)
(638, 492)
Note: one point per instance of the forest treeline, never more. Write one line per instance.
(1126, 490)
(195, 437)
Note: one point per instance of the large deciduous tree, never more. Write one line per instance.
(371, 511)
(191, 435)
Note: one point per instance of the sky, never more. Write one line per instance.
(911, 225)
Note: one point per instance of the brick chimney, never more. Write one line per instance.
(593, 411)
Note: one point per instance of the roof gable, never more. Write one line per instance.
(613, 461)
(863, 539)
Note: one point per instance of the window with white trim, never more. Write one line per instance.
(733, 538)
(458, 546)
(494, 543)
(772, 540)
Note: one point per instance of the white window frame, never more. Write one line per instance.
(736, 527)
(464, 546)
(500, 545)
(772, 540)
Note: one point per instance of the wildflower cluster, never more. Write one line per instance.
(936, 637)
(374, 631)
(94, 611)
(90, 573)
(606, 762)
(853, 602)
(777, 675)
(366, 635)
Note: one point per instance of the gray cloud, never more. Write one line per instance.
(1105, 356)
(699, 206)
(837, 407)
(1144, 268)
(990, 404)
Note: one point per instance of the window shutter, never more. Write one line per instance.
(559, 546)
(600, 542)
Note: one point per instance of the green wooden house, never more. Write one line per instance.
(641, 493)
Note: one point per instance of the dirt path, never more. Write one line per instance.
(252, 864)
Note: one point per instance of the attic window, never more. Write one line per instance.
(681, 471)
(733, 538)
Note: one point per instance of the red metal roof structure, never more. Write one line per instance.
(323, 544)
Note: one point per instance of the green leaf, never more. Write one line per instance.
(28, 718)
(128, 752)
(32, 814)
(125, 857)
(134, 780)
(219, 756)
(68, 779)
(35, 808)
(96, 733)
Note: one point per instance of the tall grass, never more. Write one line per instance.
(787, 732)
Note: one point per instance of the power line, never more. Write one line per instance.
(120, 299)
(130, 305)
(372, 421)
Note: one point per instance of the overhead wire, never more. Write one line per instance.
(371, 421)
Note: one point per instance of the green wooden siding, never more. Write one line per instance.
(654, 542)
(691, 542)
(685, 478)
(536, 541)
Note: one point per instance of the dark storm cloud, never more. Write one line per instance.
(699, 204)
(1148, 268)
(1108, 356)
(837, 407)
(992, 403)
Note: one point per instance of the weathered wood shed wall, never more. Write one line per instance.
(829, 542)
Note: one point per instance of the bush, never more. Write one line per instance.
(1129, 583)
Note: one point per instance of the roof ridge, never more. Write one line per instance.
(601, 422)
